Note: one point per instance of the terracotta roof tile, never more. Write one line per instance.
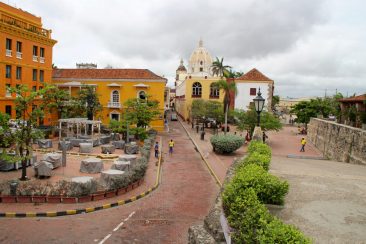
(105, 74)
(359, 98)
(254, 75)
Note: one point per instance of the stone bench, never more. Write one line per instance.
(91, 165)
(108, 176)
(105, 139)
(43, 168)
(68, 145)
(131, 148)
(121, 165)
(45, 143)
(54, 158)
(85, 147)
(127, 158)
(119, 144)
(108, 149)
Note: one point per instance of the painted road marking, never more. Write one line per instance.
(117, 228)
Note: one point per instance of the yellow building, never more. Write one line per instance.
(196, 82)
(26, 54)
(115, 87)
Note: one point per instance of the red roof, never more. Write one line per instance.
(254, 75)
(105, 74)
(359, 98)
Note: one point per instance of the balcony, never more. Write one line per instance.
(8, 94)
(41, 60)
(35, 58)
(8, 53)
(19, 55)
(114, 105)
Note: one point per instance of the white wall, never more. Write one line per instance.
(180, 89)
(243, 97)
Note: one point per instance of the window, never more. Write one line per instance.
(253, 91)
(19, 73)
(8, 44)
(201, 69)
(214, 91)
(34, 88)
(201, 63)
(41, 75)
(19, 47)
(41, 52)
(115, 116)
(7, 92)
(196, 89)
(35, 51)
(34, 75)
(8, 71)
(40, 88)
(115, 97)
(142, 95)
(8, 109)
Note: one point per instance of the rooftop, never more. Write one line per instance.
(359, 98)
(254, 75)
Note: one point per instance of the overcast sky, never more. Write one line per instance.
(305, 46)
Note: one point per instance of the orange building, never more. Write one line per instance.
(25, 54)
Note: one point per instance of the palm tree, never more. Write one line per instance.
(221, 70)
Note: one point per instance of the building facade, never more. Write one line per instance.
(248, 86)
(25, 55)
(115, 87)
(196, 82)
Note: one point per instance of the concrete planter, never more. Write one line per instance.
(85, 199)
(8, 199)
(38, 199)
(53, 199)
(69, 200)
(24, 199)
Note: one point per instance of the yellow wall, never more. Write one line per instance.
(15, 25)
(126, 91)
(183, 106)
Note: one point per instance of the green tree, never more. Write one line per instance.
(247, 120)
(275, 101)
(88, 98)
(198, 109)
(57, 100)
(141, 111)
(29, 109)
(219, 69)
(304, 110)
(213, 109)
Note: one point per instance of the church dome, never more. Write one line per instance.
(181, 66)
(200, 61)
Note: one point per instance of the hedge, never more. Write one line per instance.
(269, 188)
(257, 158)
(259, 147)
(226, 143)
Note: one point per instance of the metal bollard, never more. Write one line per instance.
(203, 135)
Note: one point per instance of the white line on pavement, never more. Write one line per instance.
(105, 238)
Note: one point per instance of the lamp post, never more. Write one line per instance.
(259, 104)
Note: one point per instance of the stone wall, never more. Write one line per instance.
(338, 142)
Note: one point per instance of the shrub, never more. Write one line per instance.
(258, 146)
(278, 232)
(269, 188)
(262, 160)
(226, 143)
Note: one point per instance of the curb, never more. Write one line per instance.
(90, 209)
(199, 151)
(306, 157)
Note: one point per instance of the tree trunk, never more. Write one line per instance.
(227, 108)
(24, 165)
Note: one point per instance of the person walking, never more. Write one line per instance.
(171, 145)
(156, 147)
(264, 137)
(303, 143)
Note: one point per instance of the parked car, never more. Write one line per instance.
(173, 117)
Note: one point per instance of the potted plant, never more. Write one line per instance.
(86, 190)
(5, 193)
(24, 193)
(54, 194)
(67, 194)
(39, 193)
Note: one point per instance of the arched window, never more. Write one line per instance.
(214, 91)
(196, 89)
(142, 95)
(115, 96)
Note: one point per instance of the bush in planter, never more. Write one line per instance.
(258, 146)
(269, 188)
(74, 189)
(278, 232)
(226, 143)
(257, 158)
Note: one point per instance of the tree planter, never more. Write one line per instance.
(135, 184)
(85, 198)
(129, 188)
(69, 200)
(121, 191)
(98, 196)
(8, 199)
(53, 199)
(140, 182)
(110, 194)
(24, 199)
(39, 199)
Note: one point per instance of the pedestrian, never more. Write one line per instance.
(247, 137)
(264, 137)
(171, 145)
(156, 147)
(303, 143)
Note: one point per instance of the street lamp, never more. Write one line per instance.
(259, 104)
